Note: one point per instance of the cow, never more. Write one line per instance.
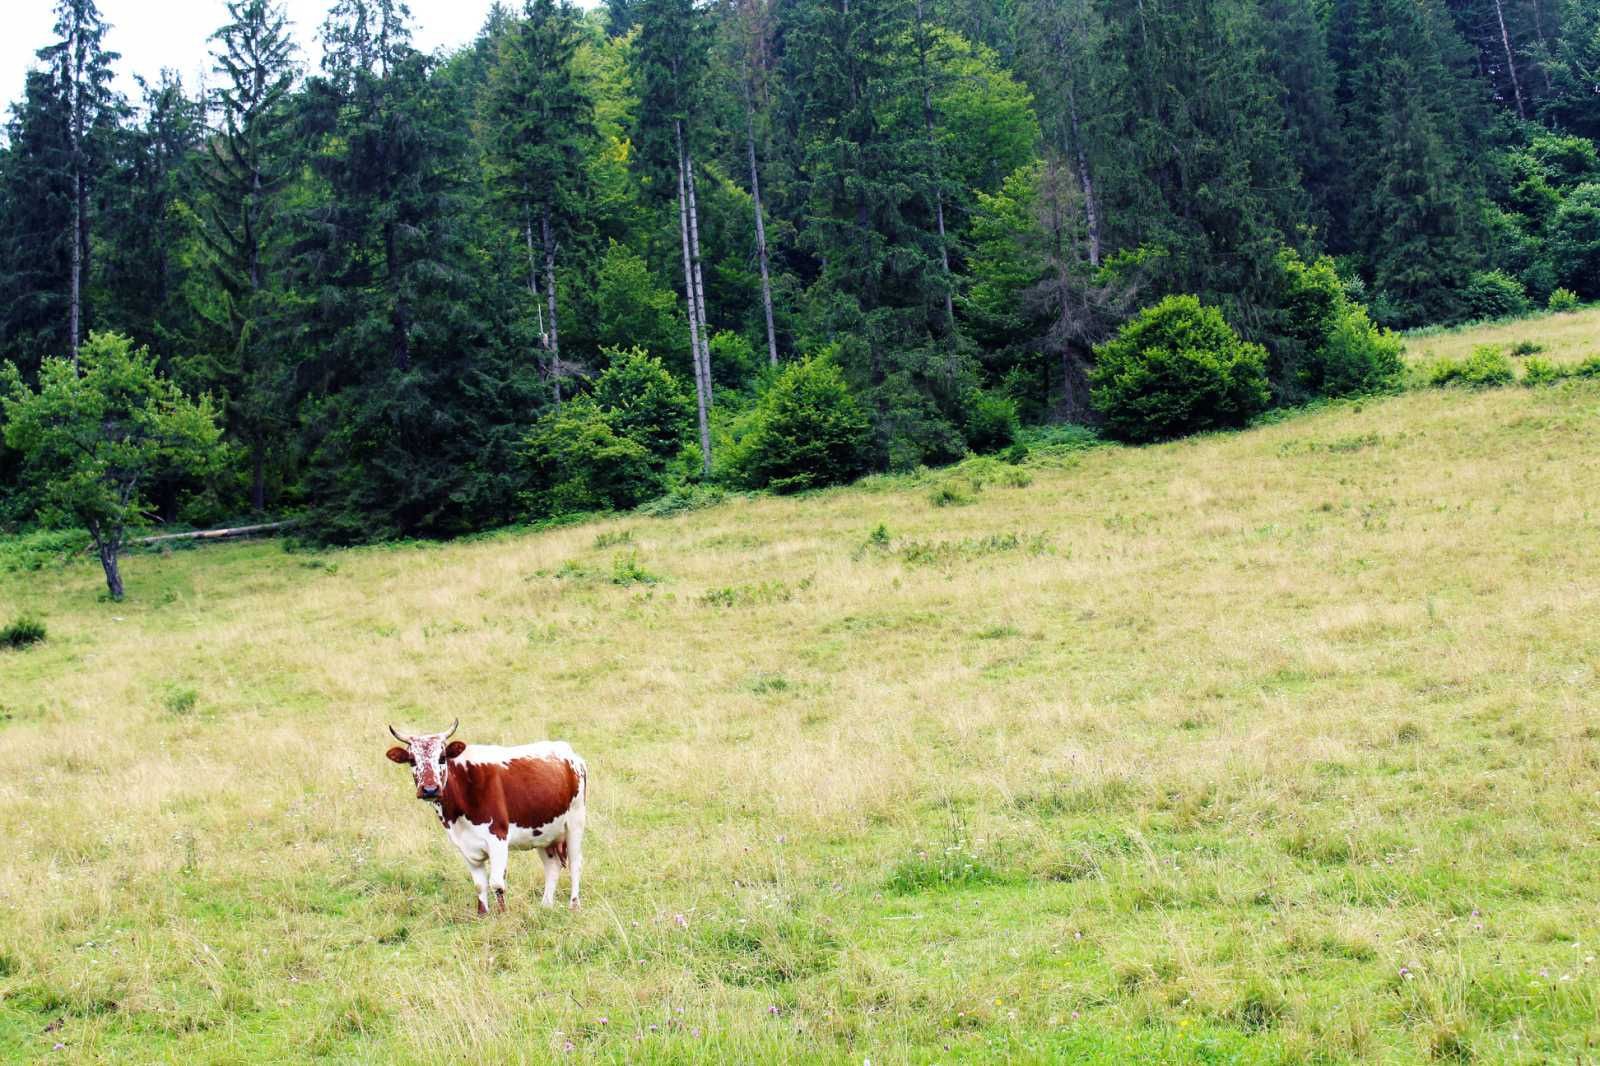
(492, 799)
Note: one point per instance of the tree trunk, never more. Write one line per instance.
(108, 561)
(258, 473)
(694, 256)
(1091, 209)
(1511, 62)
(550, 296)
(75, 314)
(702, 400)
(761, 238)
(533, 271)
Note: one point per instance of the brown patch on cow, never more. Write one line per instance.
(527, 792)
(456, 748)
(398, 754)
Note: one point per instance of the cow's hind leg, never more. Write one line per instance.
(499, 853)
(575, 855)
(480, 877)
(552, 870)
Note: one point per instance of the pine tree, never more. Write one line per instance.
(248, 164)
(37, 232)
(753, 25)
(539, 121)
(867, 192)
(82, 68)
(669, 62)
(1411, 191)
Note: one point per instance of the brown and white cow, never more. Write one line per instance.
(492, 799)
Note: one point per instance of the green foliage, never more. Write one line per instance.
(22, 631)
(31, 552)
(992, 422)
(1564, 300)
(626, 570)
(644, 403)
(1493, 294)
(1574, 240)
(579, 461)
(1177, 368)
(1323, 342)
(96, 441)
(634, 310)
(1537, 371)
(809, 430)
(1486, 367)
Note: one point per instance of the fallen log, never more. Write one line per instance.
(215, 534)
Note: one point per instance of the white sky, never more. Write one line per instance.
(152, 34)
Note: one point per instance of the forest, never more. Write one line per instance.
(667, 248)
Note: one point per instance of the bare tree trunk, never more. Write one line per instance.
(533, 269)
(76, 312)
(258, 473)
(550, 297)
(1511, 62)
(694, 256)
(108, 561)
(761, 236)
(938, 190)
(702, 399)
(1091, 209)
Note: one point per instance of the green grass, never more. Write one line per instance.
(1266, 747)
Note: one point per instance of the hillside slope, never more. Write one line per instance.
(1245, 748)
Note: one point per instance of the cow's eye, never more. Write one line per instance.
(442, 759)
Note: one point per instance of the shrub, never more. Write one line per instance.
(734, 361)
(578, 461)
(992, 421)
(1538, 371)
(1487, 366)
(1322, 341)
(1493, 294)
(809, 431)
(22, 631)
(1522, 348)
(644, 403)
(1564, 300)
(1177, 368)
(1574, 237)
(1359, 356)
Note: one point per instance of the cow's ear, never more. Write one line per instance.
(455, 748)
(398, 754)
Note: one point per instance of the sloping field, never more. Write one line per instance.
(1564, 339)
(1262, 747)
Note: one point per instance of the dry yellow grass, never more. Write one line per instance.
(1255, 747)
(1566, 338)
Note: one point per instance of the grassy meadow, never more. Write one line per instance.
(1268, 747)
(1565, 338)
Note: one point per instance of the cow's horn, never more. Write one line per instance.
(453, 727)
(397, 736)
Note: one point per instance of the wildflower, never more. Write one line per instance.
(683, 923)
(59, 1047)
(569, 1047)
(1544, 973)
(773, 1010)
(1074, 1015)
(695, 1032)
(604, 1020)
(654, 1027)
(998, 1001)
(1405, 972)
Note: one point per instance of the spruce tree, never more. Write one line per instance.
(669, 61)
(539, 124)
(37, 232)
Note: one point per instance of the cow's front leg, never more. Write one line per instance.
(480, 877)
(499, 853)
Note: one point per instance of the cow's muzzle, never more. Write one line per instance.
(427, 793)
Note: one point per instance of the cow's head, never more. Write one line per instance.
(429, 755)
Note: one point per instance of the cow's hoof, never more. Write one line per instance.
(573, 906)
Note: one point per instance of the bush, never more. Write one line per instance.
(1521, 348)
(992, 421)
(1493, 294)
(1564, 300)
(1538, 371)
(578, 461)
(734, 361)
(644, 403)
(809, 431)
(1359, 356)
(1486, 367)
(1177, 368)
(21, 632)
(1574, 237)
